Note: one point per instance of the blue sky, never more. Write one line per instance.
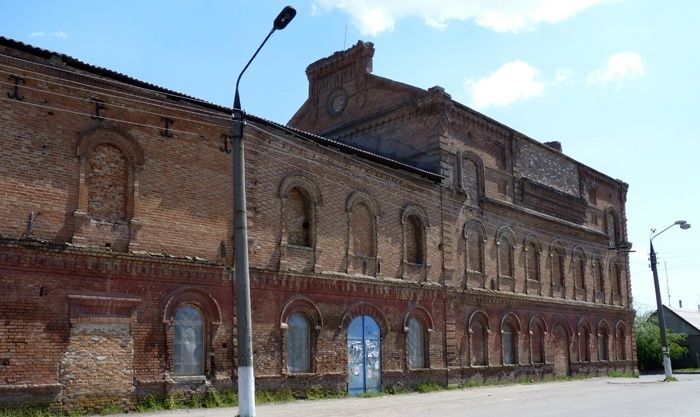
(616, 81)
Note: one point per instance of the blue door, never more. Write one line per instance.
(364, 356)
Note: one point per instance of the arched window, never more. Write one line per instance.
(558, 276)
(579, 270)
(537, 342)
(414, 240)
(416, 344)
(107, 184)
(532, 260)
(598, 276)
(475, 236)
(188, 341)
(298, 344)
(299, 222)
(471, 182)
(362, 224)
(620, 342)
(612, 228)
(510, 343)
(505, 257)
(603, 339)
(478, 339)
(616, 274)
(584, 348)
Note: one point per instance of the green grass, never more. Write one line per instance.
(622, 374)
(424, 387)
(682, 370)
(281, 396)
(321, 393)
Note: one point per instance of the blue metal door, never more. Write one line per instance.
(364, 356)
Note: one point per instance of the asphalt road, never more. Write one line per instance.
(600, 397)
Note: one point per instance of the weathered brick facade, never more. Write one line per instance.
(401, 204)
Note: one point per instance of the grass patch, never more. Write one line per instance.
(683, 370)
(279, 396)
(670, 379)
(372, 394)
(321, 393)
(29, 412)
(424, 387)
(111, 409)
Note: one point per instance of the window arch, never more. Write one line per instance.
(538, 330)
(188, 341)
(300, 322)
(110, 163)
(557, 256)
(505, 242)
(584, 337)
(579, 260)
(478, 339)
(298, 343)
(415, 223)
(414, 240)
(471, 177)
(620, 342)
(603, 341)
(510, 327)
(300, 197)
(598, 275)
(416, 344)
(298, 218)
(363, 213)
(475, 237)
(612, 227)
(191, 318)
(533, 250)
(418, 324)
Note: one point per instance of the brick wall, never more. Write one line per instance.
(113, 216)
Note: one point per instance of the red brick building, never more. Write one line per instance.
(396, 236)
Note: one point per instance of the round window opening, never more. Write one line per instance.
(337, 100)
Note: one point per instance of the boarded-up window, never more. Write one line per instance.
(617, 279)
(475, 251)
(416, 344)
(509, 343)
(557, 267)
(478, 345)
(603, 344)
(188, 343)
(298, 218)
(505, 257)
(611, 228)
(537, 339)
(584, 349)
(532, 256)
(298, 344)
(414, 240)
(620, 339)
(580, 270)
(470, 180)
(598, 275)
(106, 181)
(362, 230)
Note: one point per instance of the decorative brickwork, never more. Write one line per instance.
(456, 235)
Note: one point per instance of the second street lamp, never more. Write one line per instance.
(660, 312)
(244, 335)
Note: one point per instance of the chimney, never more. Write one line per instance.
(680, 303)
(555, 144)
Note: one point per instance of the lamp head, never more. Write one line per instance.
(285, 16)
(685, 226)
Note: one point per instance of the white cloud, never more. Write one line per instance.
(621, 66)
(375, 16)
(562, 75)
(513, 81)
(42, 34)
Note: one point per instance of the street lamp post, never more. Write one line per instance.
(246, 379)
(660, 312)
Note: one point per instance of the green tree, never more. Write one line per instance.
(649, 342)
